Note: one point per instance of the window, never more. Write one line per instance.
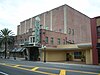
(98, 30)
(52, 40)
(46, 27)
(77, 55)
(64, 42)
(69, 31)
(46, 40)
(72, 41)
(72, 31)
(22, 41)
(33, 39)
(25, 39)
(58, 41)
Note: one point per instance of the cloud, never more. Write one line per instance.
(87, 7)
(12, 12)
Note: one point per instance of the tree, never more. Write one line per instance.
(5, 38)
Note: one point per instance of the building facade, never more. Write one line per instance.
(95, 25)
(63, 19)
(60, 26)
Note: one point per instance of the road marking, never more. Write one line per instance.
(34, 69)
(52, 74)
(3, 73)
(62, 72)
(45, 73)
(71, 70)
(82, 72)
(53, 69)
(16, 66)
(29, 69)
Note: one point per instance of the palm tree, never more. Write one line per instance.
(5, 38)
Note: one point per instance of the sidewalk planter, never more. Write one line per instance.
(70, 57)
(83, 58)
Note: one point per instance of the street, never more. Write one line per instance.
(19, 67)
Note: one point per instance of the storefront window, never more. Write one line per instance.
(77, 55)
(58, 41)
(98, 30)
(46, 39)
(52, 40)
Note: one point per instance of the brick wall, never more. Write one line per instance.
(80, 23)
(75, 24)
(55, 35)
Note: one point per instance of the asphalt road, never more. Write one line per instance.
(18, 67)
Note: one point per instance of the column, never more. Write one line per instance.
(65, 19)
(51, 20)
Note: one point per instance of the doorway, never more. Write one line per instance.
(34, 53)
(99, 55)
(67, 56)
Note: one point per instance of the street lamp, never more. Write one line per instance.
(44, 54)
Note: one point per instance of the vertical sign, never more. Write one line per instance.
(37, 30)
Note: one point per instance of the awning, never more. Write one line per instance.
(83, 46)
(18, 50)
(22, 49)
(2, 50)
(60, 49)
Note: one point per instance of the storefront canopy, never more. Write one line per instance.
(70, 47)
(18, 50)
(2, 50)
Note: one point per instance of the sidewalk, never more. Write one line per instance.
(54, 63)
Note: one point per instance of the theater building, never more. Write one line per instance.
(64, 31)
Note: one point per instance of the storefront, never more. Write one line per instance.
(64, 53)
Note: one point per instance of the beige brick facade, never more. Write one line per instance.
(62, 19)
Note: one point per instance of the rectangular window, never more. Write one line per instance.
(98, 30)
(72, 31)
(58, 41)
(77, 55)
(33, 39)
(64, 42)
(52, 40)
(46, 40)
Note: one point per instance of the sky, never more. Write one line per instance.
(12, 12)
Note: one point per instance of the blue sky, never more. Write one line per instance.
(12, 12)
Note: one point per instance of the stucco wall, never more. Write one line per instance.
(98, 22)
(89, 57)
(54, 56)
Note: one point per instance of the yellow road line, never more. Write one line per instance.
(58, 69)
(53, 74)
(28, 69)
(16, 66)
(45, 73)
(62, 72)
(71, 70)
(34, 69)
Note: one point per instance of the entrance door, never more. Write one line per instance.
(67, 56)
(99, 55)
(34, 53)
